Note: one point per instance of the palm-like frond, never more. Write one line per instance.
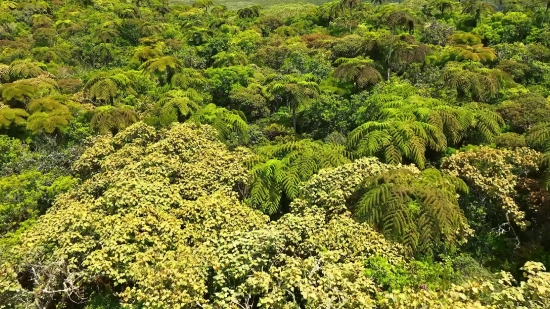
(278, 170)
(21, 69)
(48, 114)
(17, 94)
(419, 210)
(163, 67)
(230, 124)
(145, 53)
(397, 139)
(176, 105)
(189, 78)
(360, 71)
(12, 116)
(109, 119)
(104, 88)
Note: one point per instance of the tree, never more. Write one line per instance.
(21, 69)
(164, 68)
(203, 4)
(252, 101)
(469, 47)
(397, 139)
(103, 88)
(24, 197)
(225, 59)
(108, 32)
(231, 125)
(17, 94)
(474, 84)
(419, 210)
(444, 5)
(349, 5)
(478, 8)
(249, 12)
(177, 105)
(493, 175)
(277, 170)
(12, 117)
(396, 124)
(294, 91)
(189, 78)
(360, 71)
(145, 53)
(109, 119)
(48, 115)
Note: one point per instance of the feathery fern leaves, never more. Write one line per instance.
(103, 89)
(48, 115)
(539, 138)
(474, 84)
(164, 68)
(145, 53)
(12, 117)
(17, 94)
(399, 128)
(110, 119)
(189, 78)
(360, 71)
(22, 69)
(295, 91)
(231, 125)
(277, 170)
(177, 105)
(418, 210)
(397, 139)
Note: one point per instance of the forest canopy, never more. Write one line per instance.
(342, 154)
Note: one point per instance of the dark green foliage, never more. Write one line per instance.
(420, 211)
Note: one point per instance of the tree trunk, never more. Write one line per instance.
(350, 17)
(294, 120)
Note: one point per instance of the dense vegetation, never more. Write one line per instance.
(346, 155)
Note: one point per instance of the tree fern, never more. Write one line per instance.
(294, 91)
(360, 71)
(110, 119)
(395, 139)
(231, 125)
(48, 115)
(145, 53)
(103, 88)
(12, 117)
(539, 138)
(164, 68)
(419, 210)
(278, 169)
(17, 95)
(189, 78)
(21, 69)
(176, 105)
(399, 128)
(481, 85)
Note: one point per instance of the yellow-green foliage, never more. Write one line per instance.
(494, 173)
(534, 293)
(12, 116)
(157, 218)
(330, 188)
(418, 209)
(405, 126)
(48, 114)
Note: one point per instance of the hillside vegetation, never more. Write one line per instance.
(237, 155)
